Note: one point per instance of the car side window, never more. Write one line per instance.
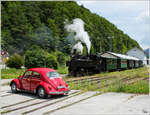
(36, 75)
(27, 74)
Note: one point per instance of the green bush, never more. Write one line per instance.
(35, 57)
(51, 61)
(62, 70)
(61, 58)
(15, 61)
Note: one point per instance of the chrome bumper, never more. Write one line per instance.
(57, 92)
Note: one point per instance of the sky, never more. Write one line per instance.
(132, 17)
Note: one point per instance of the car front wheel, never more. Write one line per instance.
(41, 92)
(14, 87)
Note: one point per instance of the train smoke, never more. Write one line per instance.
(80, 34)
(78, 46)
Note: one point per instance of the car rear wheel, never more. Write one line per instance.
(41, 92)
(14, 87)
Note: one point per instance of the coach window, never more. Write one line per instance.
(36, 75)
(109, 61)
(27, 74)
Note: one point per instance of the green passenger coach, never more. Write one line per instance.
(121, 63)
(115, 61)
(111, 64)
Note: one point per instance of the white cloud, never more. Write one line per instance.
(130, 16)
(86, 2)
(112, 2)
(143, 17)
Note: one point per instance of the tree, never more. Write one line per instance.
(42, 23)
(35, 57)
(61, 58)
(51, 61)
(15, 61)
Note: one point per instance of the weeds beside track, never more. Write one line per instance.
(116, 82)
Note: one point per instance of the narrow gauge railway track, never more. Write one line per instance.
(125, 81)
(7, 95)
(19, 93)
(49, 104)
(114, 82)
(94, 80)
(28, 100)
(97, 80)
(82, 79)
(18, 103)
(146, 78)
(4, 90)
(89, 79)
(38, 103)
(143, 79)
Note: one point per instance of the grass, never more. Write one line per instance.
(140, 87)
(11, 73)
(140, 72)
(14, 73)
(115, 84)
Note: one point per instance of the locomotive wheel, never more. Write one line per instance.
(73, 73)
(82, 71)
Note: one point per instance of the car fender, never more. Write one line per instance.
(17, 83)
(44, 85)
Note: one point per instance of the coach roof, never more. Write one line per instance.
(121, 56)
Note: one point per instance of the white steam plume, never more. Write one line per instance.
(78, 47)
(81, 34)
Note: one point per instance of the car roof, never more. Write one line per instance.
(42, 70)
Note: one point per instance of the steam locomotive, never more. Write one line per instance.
(80, 65)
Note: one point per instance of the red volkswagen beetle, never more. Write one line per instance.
(42, 81)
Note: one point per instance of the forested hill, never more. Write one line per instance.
(25, 24)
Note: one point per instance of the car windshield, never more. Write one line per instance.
(52, 74)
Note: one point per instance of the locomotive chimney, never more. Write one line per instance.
(88, 55)
(74, 51)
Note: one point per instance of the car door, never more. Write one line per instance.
(35, 80)
(26, 80)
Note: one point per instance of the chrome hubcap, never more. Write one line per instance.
(41, 92)
(13, 87)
